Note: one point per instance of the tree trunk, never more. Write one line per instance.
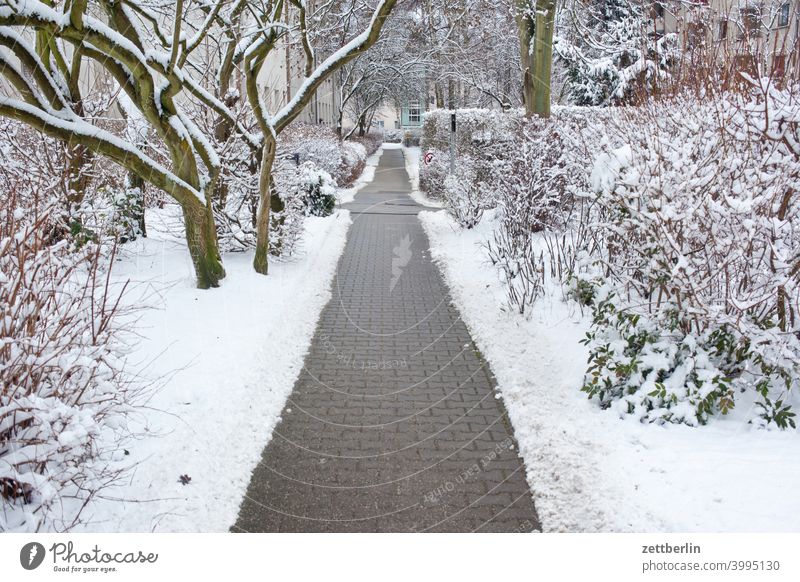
(223, 130)
(536, 52)
(201, 237)
(362, 122)
(543, 56)
(137, 182)
(339, 123)
(266, 203)
(439, 96)
(79, 176)
(526, 33)
(451, 92)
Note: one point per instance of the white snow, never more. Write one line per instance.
(228, 357)
(589, 470)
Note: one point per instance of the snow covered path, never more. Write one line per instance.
(394, 424)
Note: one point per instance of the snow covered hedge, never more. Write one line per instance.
(481, 136)
(320, 145)
(695, 268)
(474, 128)
(677, 224)
(64, 397)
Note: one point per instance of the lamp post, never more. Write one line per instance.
(452, 143)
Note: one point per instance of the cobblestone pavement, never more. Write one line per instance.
(393, 424)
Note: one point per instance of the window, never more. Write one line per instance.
(723, 29)
(414, 113)
(778, 66)
(783, 15)
(746, 63)
(751, 20)
(659, 10)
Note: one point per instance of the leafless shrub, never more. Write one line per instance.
(64, 395)
(695, 241)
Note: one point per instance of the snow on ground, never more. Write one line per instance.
(345, 195)
(228, 358)
(588, 469)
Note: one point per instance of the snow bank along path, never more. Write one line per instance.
(229, 357)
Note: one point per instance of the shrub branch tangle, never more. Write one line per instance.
(677, 224)
(63, 396)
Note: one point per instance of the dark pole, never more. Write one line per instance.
(453, 143)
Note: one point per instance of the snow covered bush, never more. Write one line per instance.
(393, 136)
(411, 138)
(64, 397)
(310, 163)
(676, 223)
(354, 160)
(371, 142)
(433, 174)
(530, 185)
(696, 231)
(466, 193)
(96, 200)
(532, 170)
(648, 368)
(482, 135)
(305, 190)
(317, 190)
(475, 128)
(319, 144)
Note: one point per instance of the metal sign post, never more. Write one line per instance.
(452, 143)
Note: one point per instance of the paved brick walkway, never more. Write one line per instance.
(393, 424)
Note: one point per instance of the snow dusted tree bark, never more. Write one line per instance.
(258, 42)
(536, 21)
(151, 66)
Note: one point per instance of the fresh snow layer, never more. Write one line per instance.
(588, 469)
(228, 359)
(345, 195)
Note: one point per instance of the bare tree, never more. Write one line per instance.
(156, 69)
(374, 78)
(260, 39)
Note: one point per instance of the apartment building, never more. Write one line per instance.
(284, 72)
(756, 35)
(280, 79)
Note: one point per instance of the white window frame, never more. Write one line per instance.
(784, 12)
(414, 112)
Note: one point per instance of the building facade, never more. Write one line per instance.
(759, 36)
